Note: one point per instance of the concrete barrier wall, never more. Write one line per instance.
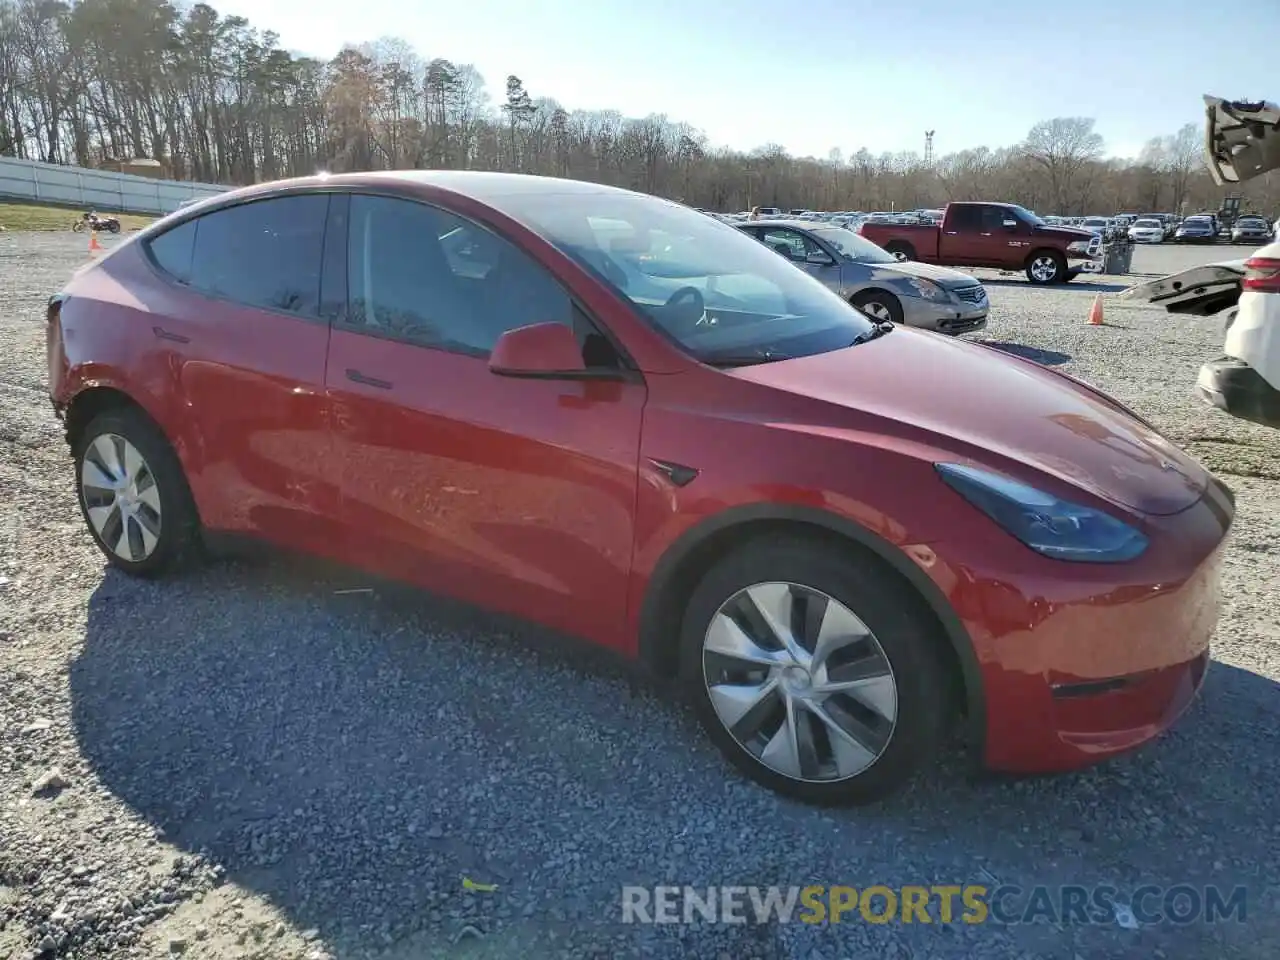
(102, 190)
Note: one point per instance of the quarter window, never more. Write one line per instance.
(263, 254)
(173, 250)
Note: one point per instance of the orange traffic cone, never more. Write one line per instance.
(1095, 312)
(94, 245)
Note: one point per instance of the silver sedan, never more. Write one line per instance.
(906, 292)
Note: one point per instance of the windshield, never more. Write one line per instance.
(1251, 222)
(713, 290)
(853, 247)
(1022, 213)
(1148, 223)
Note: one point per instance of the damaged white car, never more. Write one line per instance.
(1242, 141)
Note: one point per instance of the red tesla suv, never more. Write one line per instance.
(630, 422)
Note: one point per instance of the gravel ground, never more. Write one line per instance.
(244, 763)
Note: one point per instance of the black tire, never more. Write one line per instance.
(901, 249)
(77, 226)
(1039, 278)
(891, 304)
(178, 543)
(113, 226)
(886, 604)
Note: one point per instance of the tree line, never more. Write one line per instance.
(216, 100)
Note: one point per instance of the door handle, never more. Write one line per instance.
(163, 334)
(355, 376)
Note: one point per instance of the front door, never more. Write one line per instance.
(516, 494)
(804, 252)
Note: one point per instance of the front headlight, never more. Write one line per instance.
(927, 289)
(1078, 246)
(1046, 524)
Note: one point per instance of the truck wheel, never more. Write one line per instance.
(1045, 267)
(878, 305)
(901, 251)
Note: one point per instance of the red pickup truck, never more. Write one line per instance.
(1000, 235)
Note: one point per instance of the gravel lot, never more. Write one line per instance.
(245, 763)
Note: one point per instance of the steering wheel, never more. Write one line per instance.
(686, 305)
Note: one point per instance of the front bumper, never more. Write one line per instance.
(1234, 386)
(1081, 676)
(951, 316)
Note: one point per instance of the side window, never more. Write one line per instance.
(966, 218)
(173, 250)
(792, 245)
(264, 253)
(424, 275)
(993, 218)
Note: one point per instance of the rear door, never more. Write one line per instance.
(247, 352)
(516, 494)
(960, 238)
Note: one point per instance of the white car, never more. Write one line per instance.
(1147, 231)
(1242, 141)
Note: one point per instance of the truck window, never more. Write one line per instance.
(966, 218)
(993, 218)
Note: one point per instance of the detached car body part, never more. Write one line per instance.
(1003, 236)
(883, 287)
(1242, 141)
(632, 423)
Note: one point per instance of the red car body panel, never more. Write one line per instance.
(551, 499)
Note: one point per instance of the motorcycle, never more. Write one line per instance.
(92, 220)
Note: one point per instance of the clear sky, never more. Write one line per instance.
(819, 74)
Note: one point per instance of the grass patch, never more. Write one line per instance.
(30, 216)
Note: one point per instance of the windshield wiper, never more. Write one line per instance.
(746, 359)
(879, 330)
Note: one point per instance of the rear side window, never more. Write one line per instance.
(173, 250)
(966, 217)
(263, 254)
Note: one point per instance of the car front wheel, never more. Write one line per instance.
(134, 495)
(813, 670)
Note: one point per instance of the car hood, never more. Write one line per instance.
(1068, 234)
(942, 276)
(1201, 291)
(1004, 405)
(1241, 139)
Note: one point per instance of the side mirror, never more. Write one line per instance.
(1011, 224)
(819, 258)
(546, 350)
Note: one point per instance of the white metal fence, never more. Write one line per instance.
(95, 189)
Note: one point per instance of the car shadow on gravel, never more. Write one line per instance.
(355, 757)
(1041, 355)
(1089, 286)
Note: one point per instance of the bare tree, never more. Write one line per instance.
(1063, 148)
(214, 99)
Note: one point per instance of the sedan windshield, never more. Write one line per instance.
(717, 293)
(854, 247)
(1148, 224)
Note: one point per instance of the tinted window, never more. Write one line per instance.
(424, 275)
(263, 254)
(967, 217)
(173, 250)
(993, 218)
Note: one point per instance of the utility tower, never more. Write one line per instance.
(928, 148)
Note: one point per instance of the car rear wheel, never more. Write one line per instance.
(813, 670)
(134, 496)
(1046, 267)
(879, 305)
(901, 251)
